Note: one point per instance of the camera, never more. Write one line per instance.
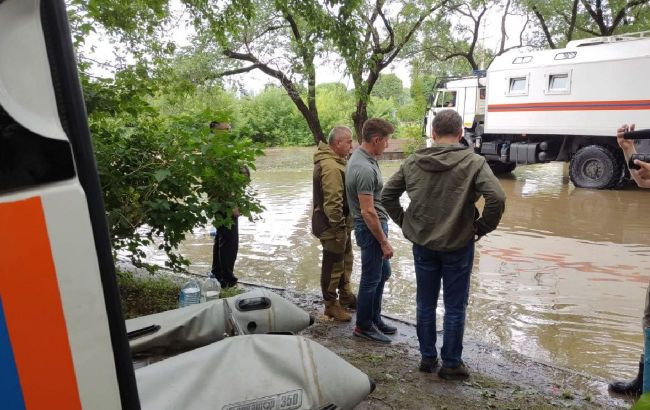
(636, 135)
(640, 157)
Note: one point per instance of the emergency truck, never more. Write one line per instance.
(555, 105)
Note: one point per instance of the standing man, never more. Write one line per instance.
(363, 184)
(444, 182)
(226, 241)
(331, 222)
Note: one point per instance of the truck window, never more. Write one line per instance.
(445, 99)
(566, 55)
(558, 82)
(517, 86)
(450, 99)
(522, 60)
(481, 93)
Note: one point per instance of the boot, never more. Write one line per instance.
(334, 310)
(348, 300)
(629, 387)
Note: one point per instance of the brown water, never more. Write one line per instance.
(562, 280)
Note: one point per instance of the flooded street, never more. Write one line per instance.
(562, 279)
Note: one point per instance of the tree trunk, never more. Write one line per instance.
(359, 117)
(314, 127)
(310, 116)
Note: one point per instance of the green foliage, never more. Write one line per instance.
(163, 172)
(141, 297)
(389, 86)
(413, 133)
(383, 108)
(284, 38)
(162, 175)
(335, 103)
(271, 118)
(643, 403)
(223, 106)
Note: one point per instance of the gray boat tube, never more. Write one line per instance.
(254, 372)
(257, 312)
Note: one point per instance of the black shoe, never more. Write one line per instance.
(454, 373)
(629, 387)
(371, 334)
(386, 329)
(428, 364)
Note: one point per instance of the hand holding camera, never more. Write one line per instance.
(636, 160)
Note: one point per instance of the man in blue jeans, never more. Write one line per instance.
(443, 183)
(363, 184)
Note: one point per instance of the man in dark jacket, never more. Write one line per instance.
(332, 224)
(443, 183)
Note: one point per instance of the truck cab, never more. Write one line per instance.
(463, 94)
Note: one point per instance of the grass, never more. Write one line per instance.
(146, 296)
(141, 297)
(230, 292)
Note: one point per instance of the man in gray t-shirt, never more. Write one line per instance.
(365, 175)
(363, 185)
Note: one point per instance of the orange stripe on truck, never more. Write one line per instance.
(32, 306)
(573, 106)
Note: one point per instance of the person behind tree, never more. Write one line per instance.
(226, 241)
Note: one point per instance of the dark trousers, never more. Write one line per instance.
(224, 254)
(375, 271)
(454, 269)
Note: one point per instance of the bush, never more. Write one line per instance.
(271, 118)
(413, 133)
(162, 175)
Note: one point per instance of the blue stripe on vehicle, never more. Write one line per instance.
(11, 395)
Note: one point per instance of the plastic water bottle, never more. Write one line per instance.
(210, 288)
(190, 293)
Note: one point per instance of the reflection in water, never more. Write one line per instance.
(562, 280)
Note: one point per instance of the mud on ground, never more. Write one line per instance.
(499, 379)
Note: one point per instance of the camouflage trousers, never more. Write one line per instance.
(336, 269)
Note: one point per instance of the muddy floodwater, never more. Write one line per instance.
(562, 279)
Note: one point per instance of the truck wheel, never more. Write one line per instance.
(501, 168)
(596, 167)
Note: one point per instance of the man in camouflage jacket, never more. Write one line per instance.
(331, 222)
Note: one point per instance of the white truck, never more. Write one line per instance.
(556, 105)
